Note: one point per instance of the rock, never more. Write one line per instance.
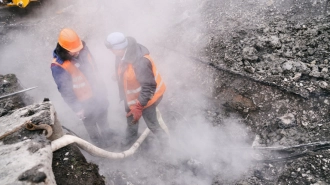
(324, 71)
(294, 174)
(296, 76)
(35, 147)
(324, 85)
(250, 54)
(310, 51)
(320, 183)
(301, 67)
(288, 54)
(275, 42)
(249, 69)
(286, 121)
(315, 72)
(241, 103)
(287, 66)
(313, 63)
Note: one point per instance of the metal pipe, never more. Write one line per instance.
(18, 92)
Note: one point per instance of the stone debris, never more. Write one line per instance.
(27, 157)
(287, 43)
(287, 121)
(23, 144)
(274, 57)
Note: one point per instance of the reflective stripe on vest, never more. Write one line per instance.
(133, 88)
(134, 91)
(133, 102)
(80, 85)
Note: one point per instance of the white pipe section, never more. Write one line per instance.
(161, 122)
(96, 151)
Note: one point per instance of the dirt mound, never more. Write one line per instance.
(281, 50)
(271, 68)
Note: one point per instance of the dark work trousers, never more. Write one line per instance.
(149, 115)
(96, 124)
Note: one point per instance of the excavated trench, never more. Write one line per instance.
(266, 68)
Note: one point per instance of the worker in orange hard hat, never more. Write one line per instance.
(80, 85)
(140, 86)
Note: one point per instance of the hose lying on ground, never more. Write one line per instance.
(96, 151)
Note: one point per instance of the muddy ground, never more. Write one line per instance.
(264, 65)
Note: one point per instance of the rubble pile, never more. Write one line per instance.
(280, 50)
(65, 166)
(267, 68)
(272, 72)
(274, 118)
(18, 144)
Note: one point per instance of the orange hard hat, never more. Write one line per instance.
(69, 40)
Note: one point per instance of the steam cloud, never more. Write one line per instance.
(199, 150)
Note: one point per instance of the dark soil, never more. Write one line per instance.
(271, 64)
(10, 84)
(71, 168)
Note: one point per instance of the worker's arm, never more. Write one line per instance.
(146, 78)
(64, 86)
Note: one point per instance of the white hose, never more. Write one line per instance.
(161, 122)
(96, 151)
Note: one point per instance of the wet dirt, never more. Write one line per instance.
(70, 167)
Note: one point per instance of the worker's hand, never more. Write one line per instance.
(136, 111)
(81, 114)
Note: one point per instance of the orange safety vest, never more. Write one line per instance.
(80, 85)
(132, 87)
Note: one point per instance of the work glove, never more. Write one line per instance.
(136, 111)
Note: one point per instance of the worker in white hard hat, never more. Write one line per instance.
(140, 85)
